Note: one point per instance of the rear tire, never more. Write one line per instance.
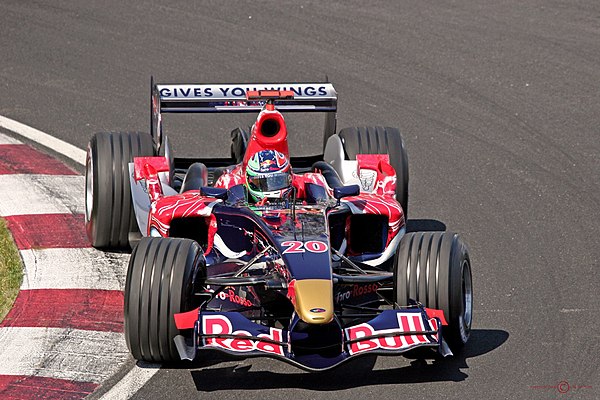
(162, 276)
(109, 216)
(380, 140)
(434, 269)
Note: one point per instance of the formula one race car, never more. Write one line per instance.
(304, 259)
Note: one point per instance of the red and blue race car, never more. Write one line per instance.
(304, 259)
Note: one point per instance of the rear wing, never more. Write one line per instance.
(231, 98)
(197, 98)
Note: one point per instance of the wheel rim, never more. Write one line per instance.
(89, 186)
(467, 288)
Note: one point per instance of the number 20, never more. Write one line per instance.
(295, 246)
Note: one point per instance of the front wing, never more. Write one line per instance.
(392, 332)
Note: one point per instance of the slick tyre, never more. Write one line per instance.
(434, 269)
(162, 276)
(380, 140)
(109, 215)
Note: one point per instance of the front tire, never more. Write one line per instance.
(162, 277)
(434, 269)
(109, 215)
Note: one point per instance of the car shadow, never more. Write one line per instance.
(425, 366)
(424, 225)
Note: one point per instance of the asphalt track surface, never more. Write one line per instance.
(499, 106)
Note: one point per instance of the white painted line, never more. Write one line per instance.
(85, 268)
(132, 382)
(57, 145)
(4, 139)
(84, 356)
(41, 194)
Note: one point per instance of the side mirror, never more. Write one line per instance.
(218, 193)
(345, 191)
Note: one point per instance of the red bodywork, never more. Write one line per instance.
(268, 132)
(273, 121)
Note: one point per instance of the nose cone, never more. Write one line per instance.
(314, 300)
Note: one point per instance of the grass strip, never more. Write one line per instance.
(11, 270)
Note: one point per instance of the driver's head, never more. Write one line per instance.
(268, 174)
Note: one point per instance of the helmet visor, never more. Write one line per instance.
(270, 182)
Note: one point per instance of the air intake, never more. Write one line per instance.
(270, 127)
